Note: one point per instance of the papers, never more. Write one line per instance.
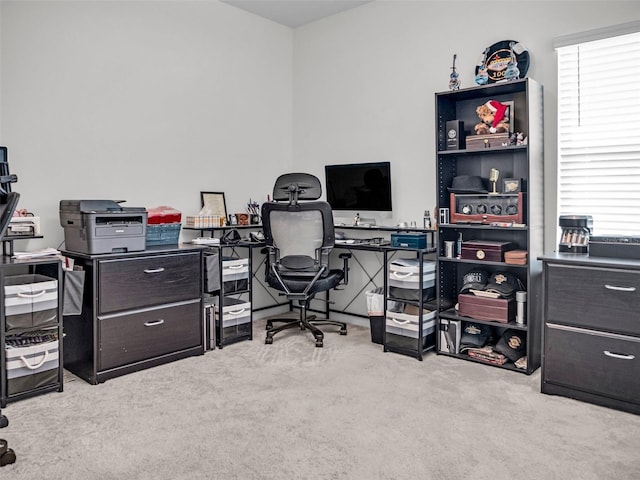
(45, 252)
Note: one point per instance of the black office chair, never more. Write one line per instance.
(299, 238)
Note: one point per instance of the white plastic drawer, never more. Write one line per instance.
(24, 361)
(412, 281)
(412, 265)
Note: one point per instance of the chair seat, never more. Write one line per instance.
(298, 284)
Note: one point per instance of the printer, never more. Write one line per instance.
(102, 226)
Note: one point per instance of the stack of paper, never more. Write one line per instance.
(45, 252)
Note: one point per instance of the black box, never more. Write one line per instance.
(455, 134)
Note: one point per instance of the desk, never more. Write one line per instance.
(366, 273)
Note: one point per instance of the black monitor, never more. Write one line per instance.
(359, 186)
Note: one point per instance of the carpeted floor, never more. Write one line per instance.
(293, 411)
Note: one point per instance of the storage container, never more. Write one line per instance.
(501, 310)
(407, 325)
(30, 301)
(163, 234)
(235, 274)
(485, 250)
(235, 321)
(162, 215)
(31, 366)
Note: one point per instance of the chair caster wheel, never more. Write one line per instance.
(268, 340)
(269, 326)
(319, 343)
(7, 458)
(343, 331)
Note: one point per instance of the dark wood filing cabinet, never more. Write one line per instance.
(140, 309)
(591, 339)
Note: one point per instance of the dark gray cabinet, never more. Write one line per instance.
(140, 309)
(591, 340)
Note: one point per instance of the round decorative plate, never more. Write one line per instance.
(496, 58)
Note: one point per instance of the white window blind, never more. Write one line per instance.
(599, 133)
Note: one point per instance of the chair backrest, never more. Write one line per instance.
(299, 236)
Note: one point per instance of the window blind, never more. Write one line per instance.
(599, 133)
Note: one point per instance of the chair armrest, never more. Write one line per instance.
(345, 266)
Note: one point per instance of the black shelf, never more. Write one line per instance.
(524, 162)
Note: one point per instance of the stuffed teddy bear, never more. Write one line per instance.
(492, 117)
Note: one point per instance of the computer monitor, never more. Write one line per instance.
(359, 187)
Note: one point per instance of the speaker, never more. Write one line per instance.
(455, 134)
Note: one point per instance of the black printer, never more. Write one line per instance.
(102, 226)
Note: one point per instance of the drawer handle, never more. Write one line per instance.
(154, 270)
(235, 267)
(618, 355)
(620, 289)
(400, 322)
(400, 276)
(154, 323)
(31, 295)
(237, 312)
(37, 365)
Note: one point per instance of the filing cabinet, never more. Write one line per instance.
(591, 338)
(139, 310)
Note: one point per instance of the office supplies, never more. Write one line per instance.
(102, 226)
(206, 241)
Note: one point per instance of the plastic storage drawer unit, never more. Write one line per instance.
(30, 301)
(235, 274)
(405, 281)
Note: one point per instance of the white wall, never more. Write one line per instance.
(364, 81)
(150, 102)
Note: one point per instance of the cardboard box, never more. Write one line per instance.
(501, 310)
(485, 250)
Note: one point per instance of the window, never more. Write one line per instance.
(599, 128)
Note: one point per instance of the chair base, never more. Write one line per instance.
(305, 323)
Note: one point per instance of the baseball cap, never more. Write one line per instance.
(504, 284)
(475, 279)
(467, 184)
(475, 335)
(512, 344)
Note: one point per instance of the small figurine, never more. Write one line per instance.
(512, 72)
(482, 77)
(454, 80)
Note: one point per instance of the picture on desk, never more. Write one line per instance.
(213, 204)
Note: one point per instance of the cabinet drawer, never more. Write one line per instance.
(595, 362)
(148, 333)
(138, 282)
(597, 298)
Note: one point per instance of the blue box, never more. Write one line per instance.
(409, 240)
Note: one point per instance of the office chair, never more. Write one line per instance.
(299, 238)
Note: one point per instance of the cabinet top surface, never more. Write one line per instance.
(589, 261)
(182, 248)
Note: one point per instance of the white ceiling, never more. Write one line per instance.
(294, 13)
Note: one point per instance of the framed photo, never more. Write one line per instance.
(213, 204)
(510, 114)
(511, 185)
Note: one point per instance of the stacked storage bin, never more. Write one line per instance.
(406, 289)
(233, 315)
(31, 342)
(163, 226)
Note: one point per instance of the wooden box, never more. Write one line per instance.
(485, 208)
(492, 140)
(501, 310)
(486, 250)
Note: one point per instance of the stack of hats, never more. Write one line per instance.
(497, 285)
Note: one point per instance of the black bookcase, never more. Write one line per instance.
(522, 161)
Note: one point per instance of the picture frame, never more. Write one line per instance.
(510, 114)
(511, 185)
(213, 203)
